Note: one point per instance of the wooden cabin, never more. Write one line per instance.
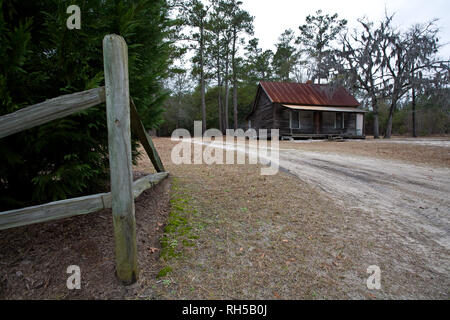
(305, 110)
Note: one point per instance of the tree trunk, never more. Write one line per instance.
(219, 101)
(227, 92)
(376, 130)
(319, 63)
(219, 95)
(233, 65)
(235, 110)
(414, 132)
(202, 81)
(376, 126)
(388, 132)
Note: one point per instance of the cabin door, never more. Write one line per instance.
(316, 122)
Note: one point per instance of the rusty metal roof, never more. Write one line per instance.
(308, 94)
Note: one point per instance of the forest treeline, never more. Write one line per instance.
(396, 74)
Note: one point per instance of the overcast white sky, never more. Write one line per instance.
(272, 17)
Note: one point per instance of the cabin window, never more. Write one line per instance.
(329, 119)
(306, 120)
(295, 119)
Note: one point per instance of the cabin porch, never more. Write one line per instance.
(323, 124)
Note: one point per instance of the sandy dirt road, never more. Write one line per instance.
(405, 207)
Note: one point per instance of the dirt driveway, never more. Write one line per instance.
(405, 206)
(412, 201)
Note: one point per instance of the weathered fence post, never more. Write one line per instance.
(115, 54)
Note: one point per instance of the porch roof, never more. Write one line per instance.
(317, 108)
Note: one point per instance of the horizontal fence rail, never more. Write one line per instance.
(71, 207)
(49, 110)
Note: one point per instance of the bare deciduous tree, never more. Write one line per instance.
(363, 62)
(405, 54)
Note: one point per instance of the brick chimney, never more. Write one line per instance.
(309, 82)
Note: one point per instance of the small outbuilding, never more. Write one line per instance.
(306, 110)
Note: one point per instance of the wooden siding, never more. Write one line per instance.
(306, 120)
(263, 115)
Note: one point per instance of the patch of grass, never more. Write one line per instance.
(164, 272)
(179, 232)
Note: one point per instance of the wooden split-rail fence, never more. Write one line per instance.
(122, 117)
